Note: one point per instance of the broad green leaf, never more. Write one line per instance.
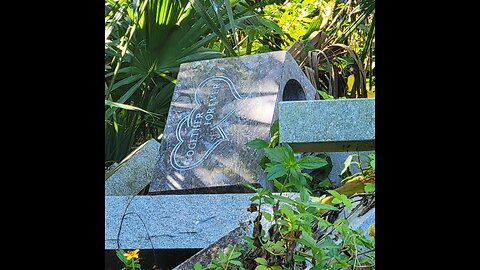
(312, 162)
(346, 201)
(282, 222)
(261, 261)
(269, 199)
(197, 266)
(322, 206)
(369, 187)
(275, 171)
(278, 184)
(250, 186)
(307, 176)
(276, 155)
(294, 175)
(261, 267)
(284, 199)
(235, 262)
(235, 254)
(304, 195)
(298, 258)
(257, 144)
(297, 178)
(254, 198)
(288, 212)
(324, 95)
(340, 198)
(311, 242)
(334, 193)
(372, 164)
(277, 247)
(290, 157)
(336, 201)
(340, 221)
(328, 243)
(119, 253)
(267, 216)
(323, 222)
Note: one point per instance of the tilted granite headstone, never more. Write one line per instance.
(217, 106)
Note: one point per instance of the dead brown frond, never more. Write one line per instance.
(328, 67)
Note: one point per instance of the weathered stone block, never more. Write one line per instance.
(340, 125)
(135, 172)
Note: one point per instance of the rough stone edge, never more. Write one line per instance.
(124, 160)
(136, 151)
(206, 255)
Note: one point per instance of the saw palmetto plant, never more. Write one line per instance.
(145, 43)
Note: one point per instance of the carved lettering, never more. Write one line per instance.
(200, 132)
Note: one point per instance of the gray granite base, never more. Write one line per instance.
(339, 125)
(172, 221)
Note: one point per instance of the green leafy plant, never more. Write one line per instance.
(303, 231)
(130, 259)
(226, 259)
(263, 265)
(340, 198)
(282, 167)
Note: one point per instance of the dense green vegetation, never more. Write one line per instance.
(304, 231)
(144, 47)
(145, 43)
(333, 41)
